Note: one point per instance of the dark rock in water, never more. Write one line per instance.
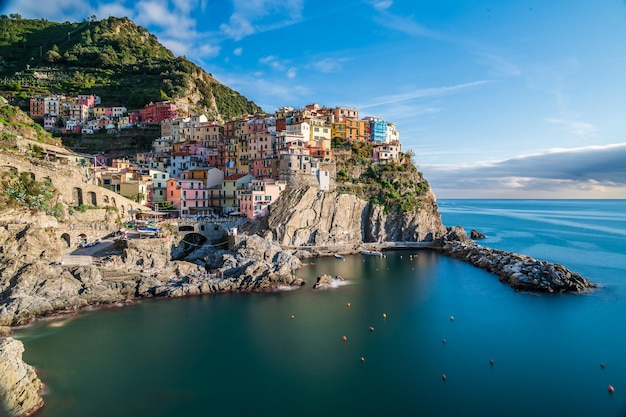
(475, 234)
(521, 272)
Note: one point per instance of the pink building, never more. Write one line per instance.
(255, 201)
(188, 196)
(385, 154)
(88, 100)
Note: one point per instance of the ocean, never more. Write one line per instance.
(425, 335)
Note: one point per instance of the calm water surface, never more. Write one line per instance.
(242, 354)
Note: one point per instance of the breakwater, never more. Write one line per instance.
(521, 272)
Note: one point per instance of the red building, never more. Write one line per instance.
(156, 113)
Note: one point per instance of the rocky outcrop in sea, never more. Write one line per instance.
(19, 385)
(521, 272)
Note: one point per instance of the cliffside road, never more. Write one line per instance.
(85, 256)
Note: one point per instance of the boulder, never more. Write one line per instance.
(475, 235)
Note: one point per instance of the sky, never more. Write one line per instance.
(497, 99)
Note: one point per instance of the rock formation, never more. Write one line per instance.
(475, 235)
(32, 284)
(310, 217)
(19, 384)
(521, 272)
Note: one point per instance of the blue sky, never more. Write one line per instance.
(515, 99)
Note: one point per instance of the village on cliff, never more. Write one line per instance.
(199, 167)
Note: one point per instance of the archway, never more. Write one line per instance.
(194, 239)
(186, 228)
(67, 239)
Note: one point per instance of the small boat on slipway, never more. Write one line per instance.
(371, 252)
(338, 256)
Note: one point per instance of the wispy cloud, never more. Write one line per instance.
(421, 93)
(576, 127)
(406, 24)
(328, 65)
(498, 65)
(257, 16)
(237, 51)
(594, 171)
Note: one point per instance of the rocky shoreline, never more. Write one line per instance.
(35, 286)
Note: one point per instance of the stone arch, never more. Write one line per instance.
(186, 228)
(123, 210)
(67, 239)
(77, 196)
(194, 238)
(113, 201)
(105, 198)
(92, 198)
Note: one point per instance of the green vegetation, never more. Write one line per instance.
(396, 186)
(21, 190)
(113, 58)
(14, 122)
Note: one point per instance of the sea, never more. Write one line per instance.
(413, 333)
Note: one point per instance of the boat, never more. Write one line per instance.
(149, 231)
(371, 252)
(338, 256)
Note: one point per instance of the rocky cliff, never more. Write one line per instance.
(310, 217)
(19, 384)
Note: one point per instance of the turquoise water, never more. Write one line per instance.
(243, 354)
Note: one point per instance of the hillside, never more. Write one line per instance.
(113, 58)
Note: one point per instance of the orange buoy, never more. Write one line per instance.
(611, 389)
(444, 377)
(344, 338)
(348, 304)
(371, 329)
(293, 317)
(384, 315)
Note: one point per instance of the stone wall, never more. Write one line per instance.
(68, 178)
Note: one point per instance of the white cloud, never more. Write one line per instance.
(237, 51)
(382, 5)
(328, 65)
(291, 73)
(237, 28)
(589, 172)
(574, 126)
(256, 16)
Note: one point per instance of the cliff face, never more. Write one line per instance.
(311, 217)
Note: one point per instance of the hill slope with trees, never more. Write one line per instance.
(113, 58)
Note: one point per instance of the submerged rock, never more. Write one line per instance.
(475, 234)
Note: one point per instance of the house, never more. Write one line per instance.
(254, 201)
(385, 154)
(232, 186)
